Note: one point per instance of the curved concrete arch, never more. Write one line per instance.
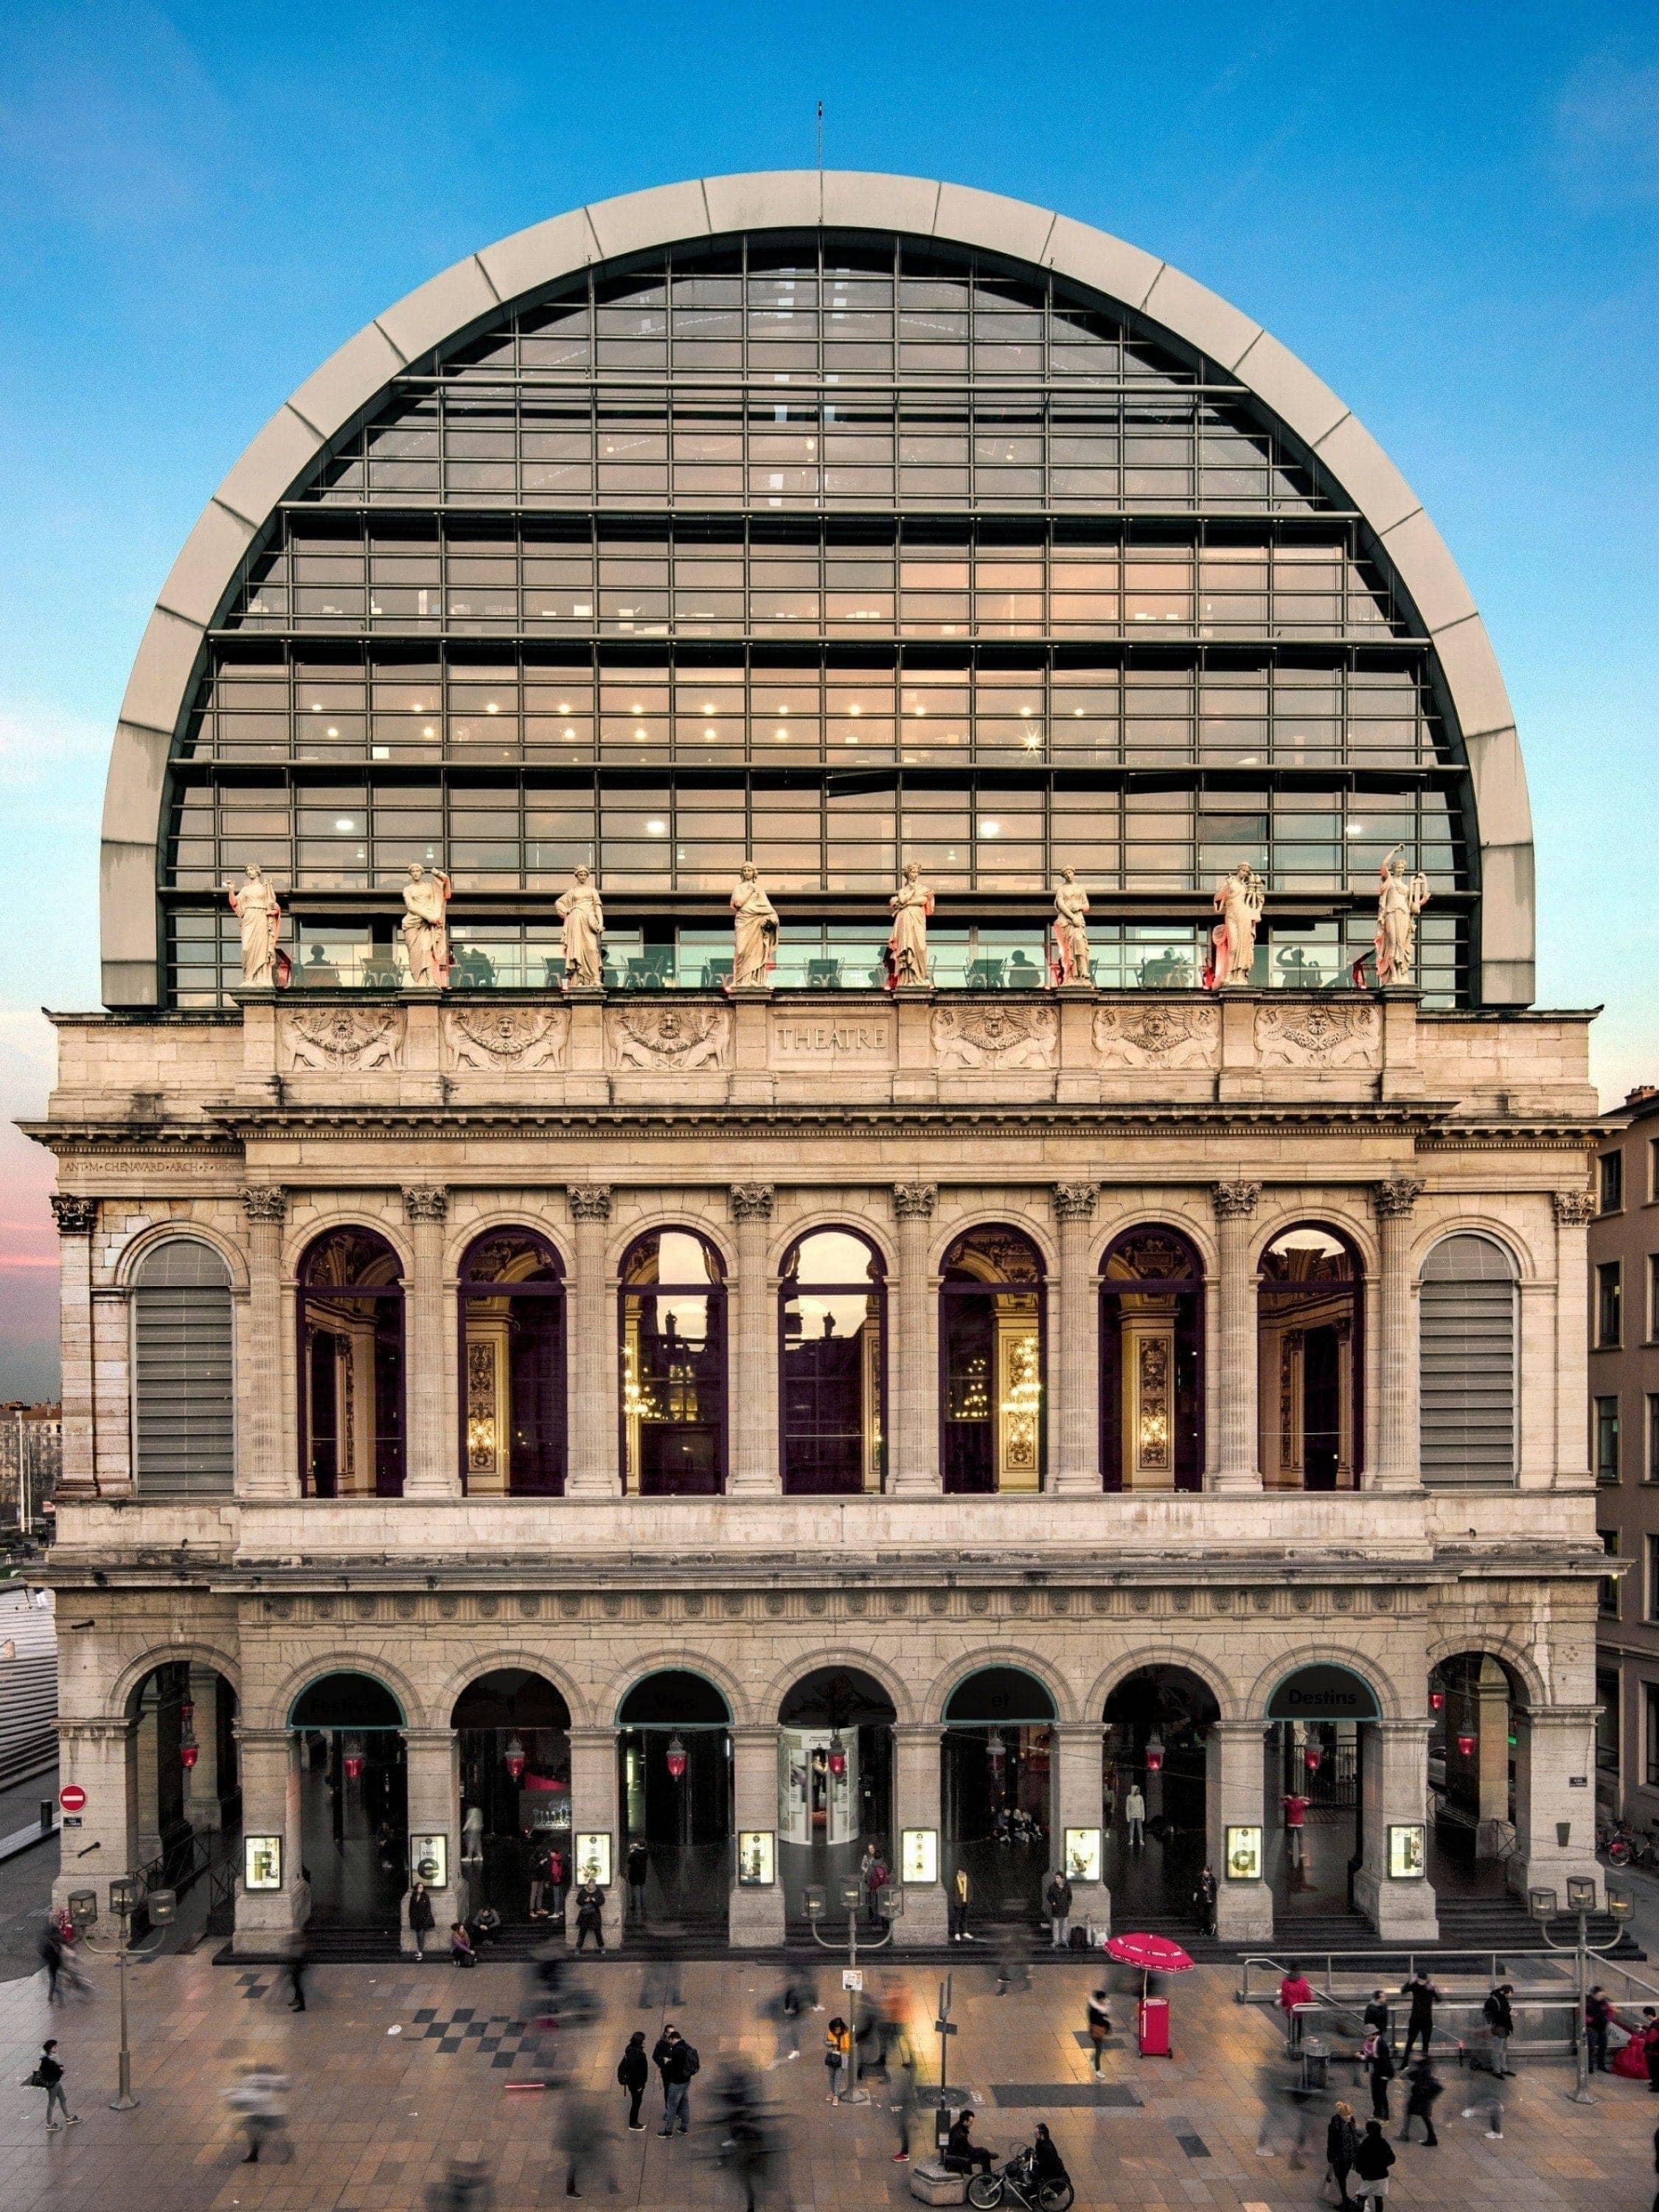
(492, 1661)
(1337, 1219)
(393, 1679)
(462, 1238)
(1474, 1222)
(857, 1220)
(448, 307)
(644, 1664)
(1027, 1224)
(1118, 1671)
(1390, 1701)
(1161, 1212)
(1520, 1663)
(138, 1249)
(133, 1676)
(784, 1678)
(1015, 1657)
(719, 1234)
(346, 1211)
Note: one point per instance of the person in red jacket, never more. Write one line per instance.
(1294, 1991)
(1296, 1821)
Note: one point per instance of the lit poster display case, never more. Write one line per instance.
(757, 1858)
(1244, 1855)
(919, 1855)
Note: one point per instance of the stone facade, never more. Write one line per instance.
(762, 1127)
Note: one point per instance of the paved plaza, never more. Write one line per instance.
(395, 2070)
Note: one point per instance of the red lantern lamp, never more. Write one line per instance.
(1437, 1701)
(837, 1760)
(513, 1757)
(188, 1754)
(1312, 1758)
(676, 1759)
(353, 1766)
(1465, 1744)
(186, 1711)
(1154, 1755)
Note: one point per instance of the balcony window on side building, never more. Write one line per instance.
(1609, 1306)
(1613, 1183)
(1607, 1588)
(1607, 1439)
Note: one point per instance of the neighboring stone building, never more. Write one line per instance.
(761, 1424)
(1624, 1433)
(31, 1459)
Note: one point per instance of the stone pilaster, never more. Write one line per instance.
(1574, 1212)
(595, 1401)
(751, 1383)
(77, 1218)
(260, 1469)
(918, 1803)
(756, 1916)
(1076, 1802)
(101, 1755)
(1395, 1370)
(1234, 1793)
(268, 1920)
(1555, 1800)
(1074, 1343)
(1394, 1788)
(915, 1368)
(433, 1771)
(1238, 1454)
(433, 1469)
(594, 1808)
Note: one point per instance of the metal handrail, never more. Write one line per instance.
(1368, 1967)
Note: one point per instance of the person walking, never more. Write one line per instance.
(1134, 1816)
(257, 2100)
(48, 2074)
(957, 1906)
(1294, 1991)
(1295, 1829)
(1598, 2018)
(589, 1916)
(1499, 2014)
(837, 2054)
(299, 1958)
(678, 2062)
(420, 1916)
(905, 2103)
(1372, 2162)
(639, 1866)
(1378, 2017)
(1419, 2021)
(1098, 2021)
(1341, 2144)
(1058, 1899)
(52, 1958)
(633, 2072)
(1420, 2103)
(1376, 2056)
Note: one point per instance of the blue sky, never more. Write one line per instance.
(1451, 213)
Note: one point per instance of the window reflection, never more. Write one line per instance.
(832, 1316)
(673, 1381)
(990, 1354)
(351, 1366)
(512, 1367)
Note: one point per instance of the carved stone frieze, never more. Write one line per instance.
(681, 1037)
(1317, 1036)
(510, 1039)
(339, 1036)
(1156, 1037)
(995, 1036)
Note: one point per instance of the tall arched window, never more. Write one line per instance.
(991, 1360)
(184, 1384)
(673, 1347)
(351, 1366)
(513, 1366)
(1151, 1302)
(1467, 1325)
(1309, 1330)
(832, 1314)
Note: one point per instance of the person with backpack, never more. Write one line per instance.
(1499, 2016)
(48, 2074)
(1057, 1898)
(677, 2064)
(633, 2072)
(1419, 2104)
(1099, 2019)
(1372, 2162)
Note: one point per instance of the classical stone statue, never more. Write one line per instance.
(1399, 899)
(253, 903)
(1070, 963)
(907, 948)
(754, 932)
(583, 939)
(426, 928)
(1239, 900)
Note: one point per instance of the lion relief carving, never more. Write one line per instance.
(995, 1036)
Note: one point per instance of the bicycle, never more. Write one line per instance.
(1015, 2186)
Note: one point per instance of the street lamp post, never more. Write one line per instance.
(892, 1904)
(1581, 1903)
(126, 1894)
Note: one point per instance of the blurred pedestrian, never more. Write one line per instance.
(1372, 2162)
(1057, 1901)
(257, 2099)
(1013, 1968)
(904, 2102)
(1099, 2019)
(299, 1958)
(1486, 2100)
(52, 1958)
(1420, 2103)
(633, 2072)
(745, 2140)
(585, 2143)
(787, 2008)
(464, 2188)
(48, 2074)
(660, 1984)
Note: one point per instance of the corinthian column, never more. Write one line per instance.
(433, 1466)
(595, 1404)
(1396, 1360)
(752, 1393)
(1237, 1466)
(77, 1218)
(1076, 1461)
(260, 1469)
(915, 1469)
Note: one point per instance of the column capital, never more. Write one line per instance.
(74, 1216)
(426, 1202)
(1574, 1209)
(1075, 1201)
(265, 1202)
(915, 1202)
(750, 1201)
(1393, 1200)
(1236, 1201)
(589, 1201)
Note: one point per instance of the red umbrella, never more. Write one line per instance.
(1154, 1954)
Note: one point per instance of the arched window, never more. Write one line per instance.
(673, 1345)
(351, 1366)
(183, 1382)
(1467, 1330)
(991, 1362)
(1151, 1302)
(1308, 1328)
(831, 1313)
(513, 1366)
